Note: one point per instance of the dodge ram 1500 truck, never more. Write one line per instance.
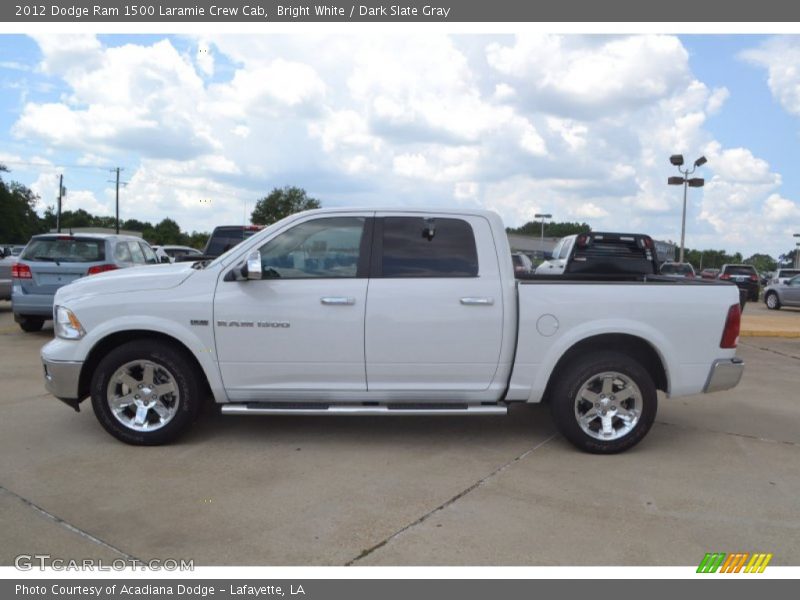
(385, 312)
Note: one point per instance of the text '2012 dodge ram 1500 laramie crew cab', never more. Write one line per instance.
(385, 312)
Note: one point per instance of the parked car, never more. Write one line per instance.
(783, 294)
(6, 263)
(172, 253)
(744, 276)
(677, 269)
(401, 312)
(783, 275)
(709, 273)
(558, 262)
(522, 265)
(222, 239)
(53, 260)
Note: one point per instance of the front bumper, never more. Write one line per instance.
(61, 378)
(724, 374)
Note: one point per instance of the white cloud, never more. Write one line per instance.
(577, 126)
(781, 58)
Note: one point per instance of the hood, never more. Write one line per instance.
(132, 279)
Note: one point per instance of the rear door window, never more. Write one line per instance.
(122, 253)
(427, 247)
(65, 249)
(136, 253)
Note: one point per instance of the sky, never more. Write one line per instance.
(579, 126)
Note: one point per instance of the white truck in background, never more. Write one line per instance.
(385, 312)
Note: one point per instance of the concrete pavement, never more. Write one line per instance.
(716, 473)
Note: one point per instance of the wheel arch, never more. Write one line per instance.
(113, 340)
(633, 346)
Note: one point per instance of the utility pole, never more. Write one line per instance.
(60, 194)
(117, 195)
(117, 183)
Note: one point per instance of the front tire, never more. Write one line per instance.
(772, 301)
(604, 403)
(146, 392)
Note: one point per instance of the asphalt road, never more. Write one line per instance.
(716, 473)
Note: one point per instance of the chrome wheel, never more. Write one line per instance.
(608, 405)
(143, 395)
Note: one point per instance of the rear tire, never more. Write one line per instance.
(604, 403)
(30, 324)
(146, 392)
(772, 301)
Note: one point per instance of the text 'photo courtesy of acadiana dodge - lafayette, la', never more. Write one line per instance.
(156, 589)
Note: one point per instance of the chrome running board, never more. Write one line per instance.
(294, 408)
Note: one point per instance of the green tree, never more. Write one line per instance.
(167, 232)
(18, 218)
(553, 229)
(762, 262)
(280, 203)
(198, 239)
(787, 259)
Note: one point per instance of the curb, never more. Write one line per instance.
(768, 333)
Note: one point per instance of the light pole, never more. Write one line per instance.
(542, 216)
(686, 182)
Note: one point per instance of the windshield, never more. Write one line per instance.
(675, 269)
(65, 249)
(788, 273)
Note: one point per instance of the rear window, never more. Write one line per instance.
(419, 247)
(740, 270)
(223, 239)
(65, 249)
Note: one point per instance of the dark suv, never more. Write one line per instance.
(744, 276)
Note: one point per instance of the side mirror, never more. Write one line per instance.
(254, 265)
(164, 259)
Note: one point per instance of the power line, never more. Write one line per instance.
(54, 167)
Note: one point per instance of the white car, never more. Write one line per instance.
(782, 276)
(171, 253)
(385, 312)
(557, 264)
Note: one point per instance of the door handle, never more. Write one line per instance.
(338, 300)
(473, 301)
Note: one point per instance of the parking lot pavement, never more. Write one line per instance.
(716, 473)
(759, 321)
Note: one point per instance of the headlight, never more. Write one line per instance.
(66, 324)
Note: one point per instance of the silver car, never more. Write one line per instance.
(783, 294)
(5, 275)
(52, 260)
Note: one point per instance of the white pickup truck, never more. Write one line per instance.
(385, 312)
